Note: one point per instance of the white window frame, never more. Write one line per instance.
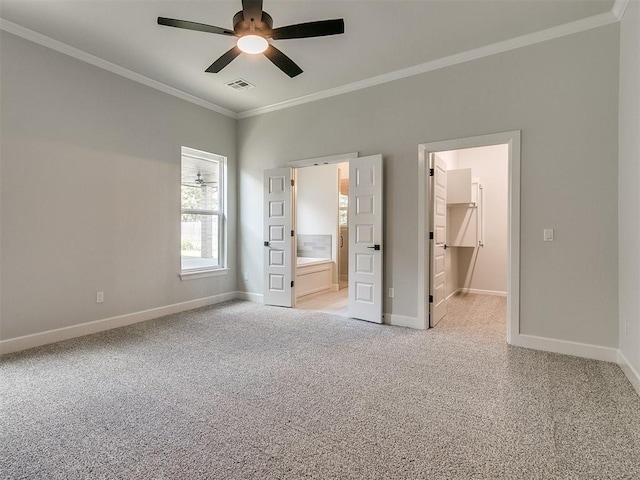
(221, 213)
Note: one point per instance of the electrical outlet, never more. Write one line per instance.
(99, 297)
(391, 292)
(548, 235)
(246, 275)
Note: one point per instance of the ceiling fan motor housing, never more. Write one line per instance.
(262, 27)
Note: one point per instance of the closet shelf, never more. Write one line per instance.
(465, 212)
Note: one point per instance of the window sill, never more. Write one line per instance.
(195, 274)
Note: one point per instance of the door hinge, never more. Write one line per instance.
(431, 172)
(292, 182)
(291, 283)
(430, 235)
(292, 233)
(430, 298)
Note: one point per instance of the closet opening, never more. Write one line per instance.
(469, 233)
(470, 269)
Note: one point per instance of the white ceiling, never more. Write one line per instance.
(381, 36)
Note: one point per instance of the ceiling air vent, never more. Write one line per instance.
(239, 84)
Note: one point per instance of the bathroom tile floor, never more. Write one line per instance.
(335, 303)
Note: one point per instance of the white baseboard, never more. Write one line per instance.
(526, 341)
(453, 294)
(51, 336)
(632, 374)
(402, 321)
(251, 297)
(565, 347)
(478, 291)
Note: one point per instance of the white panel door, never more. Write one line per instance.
(278, 243)
(438, 197)
(365, 238)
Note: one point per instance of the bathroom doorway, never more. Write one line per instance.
(285, 211)
(322, 242)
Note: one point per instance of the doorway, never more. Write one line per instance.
(321, 227)
(473, 255)
(469, 224)
(365, 249)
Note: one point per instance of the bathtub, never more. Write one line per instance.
(313, 275)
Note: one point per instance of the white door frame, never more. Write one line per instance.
(511, 138)
(311, 162)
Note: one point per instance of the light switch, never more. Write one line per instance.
(548, 234)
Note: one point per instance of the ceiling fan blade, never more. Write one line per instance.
(320, 28)
(200, 27)
(252, 9)
(224, 60)
(281, 61)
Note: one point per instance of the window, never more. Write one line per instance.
(343, 209)
(203, 215)
(343, 195)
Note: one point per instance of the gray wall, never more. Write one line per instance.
(629, 185)
(90, 191)
(89, 174)
(562, 94)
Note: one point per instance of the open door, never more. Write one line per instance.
(438, 238)
(278, 244)
(365, 238)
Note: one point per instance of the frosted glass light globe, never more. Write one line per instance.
(252, 44)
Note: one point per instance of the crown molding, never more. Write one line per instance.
(615, 15)
(619, 8)
(474, 54)
(78, 54)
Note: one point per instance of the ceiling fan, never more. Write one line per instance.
(198, 182)
(253, 26)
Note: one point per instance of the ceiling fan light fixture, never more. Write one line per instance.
(253, 27)
(252, 44)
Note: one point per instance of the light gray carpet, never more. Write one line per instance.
(243, 391)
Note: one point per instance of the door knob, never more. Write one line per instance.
(375, 247)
